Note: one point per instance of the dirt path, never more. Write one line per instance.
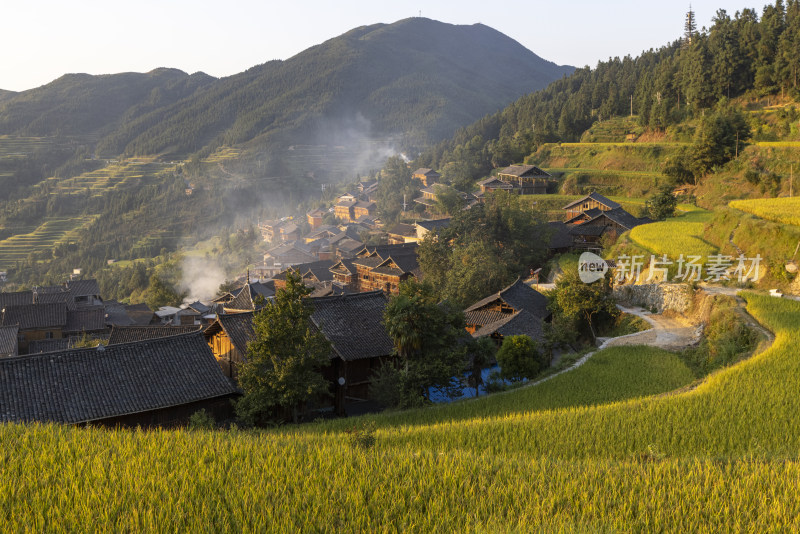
(667, 333)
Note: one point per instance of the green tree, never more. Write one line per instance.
(395, 183)
(519, 357)
(662, 204)
(283, 371)
(480, 353)
(426, 337)
(582, 303)
(720, 137)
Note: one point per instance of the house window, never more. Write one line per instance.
(48, 335)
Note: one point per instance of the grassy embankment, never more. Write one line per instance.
(723, 456)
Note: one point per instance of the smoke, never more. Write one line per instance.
(201, 278)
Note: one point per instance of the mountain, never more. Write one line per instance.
(5, 95)
(416, 78)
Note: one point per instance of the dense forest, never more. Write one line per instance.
(739, 55)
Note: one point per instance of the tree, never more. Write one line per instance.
(662, 204)
(395, 183)
(719, 139)
(519, 358)
(285, 360)
(579, 302)
(426, 337)
(480, 353)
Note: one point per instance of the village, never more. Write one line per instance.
(69, 356)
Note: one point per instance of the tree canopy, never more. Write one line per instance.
(283, 371)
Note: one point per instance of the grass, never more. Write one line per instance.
(720, 457)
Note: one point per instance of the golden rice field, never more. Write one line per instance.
(675, 237)
(720, 457)
(781, 210)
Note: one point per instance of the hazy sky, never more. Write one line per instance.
(42, 39)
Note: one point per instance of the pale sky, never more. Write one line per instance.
(41, 40)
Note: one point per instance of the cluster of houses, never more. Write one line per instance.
(159, 367)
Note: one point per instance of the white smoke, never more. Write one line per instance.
(201, 278)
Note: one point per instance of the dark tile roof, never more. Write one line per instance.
(434, 224)
(8, 340)
(199, 307)
(525, 170)
(621, 217)
(402, 229)
(594, 196)
(370, 261)
(15, 299)
(343, 266)
(55, 297)
(36, 316)
(130, 334)
(483, 317)
(523, 323)
(319, 269)
(560, 236)
(519, 296)
(82, 385)
(84, 288)
(245, 299)
(354, 324)
(39, 346)
(384, 251)
(86, 320)
(426, 171)
(349, 246)
(586, 229)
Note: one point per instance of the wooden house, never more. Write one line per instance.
(423, 228)
(522, 179)
(516, 310)
(344, 210)
(402, 233)
(592, 201)
(36, 321)
(86, 293)
(313, 273)
(315, 217)
(363, 208)
(428, 177)
(160, 382)
(351, 323)
(248, 298)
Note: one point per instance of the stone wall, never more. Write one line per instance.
(656, 297)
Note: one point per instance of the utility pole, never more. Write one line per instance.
(737, 144)
(631, 105)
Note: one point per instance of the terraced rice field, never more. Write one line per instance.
(47, 235)
(675, 237)
(719, 457)
(780, 210)
(114, 175)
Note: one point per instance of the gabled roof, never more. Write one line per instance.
(349, 246)
(49, 296)
(519, 296)
(197, 306)
(83, 385)
(343, 266)
(86, 320)
(523, 323)
(610, 204)
(319, 269)
(621, 217)
(495, 183)
(354, 324)
(36, 316)
(129, 334)
(398, 264)
(247, 296)
(8, 340)
(84, 288)
(426, 171)
(384, 251)
(525, 170)
(237, 326)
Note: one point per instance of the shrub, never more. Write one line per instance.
(201, 420)
(519, 358)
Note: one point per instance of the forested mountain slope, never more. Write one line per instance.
(416, 78)
(741, 55)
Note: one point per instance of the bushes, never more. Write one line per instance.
(519, 357)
